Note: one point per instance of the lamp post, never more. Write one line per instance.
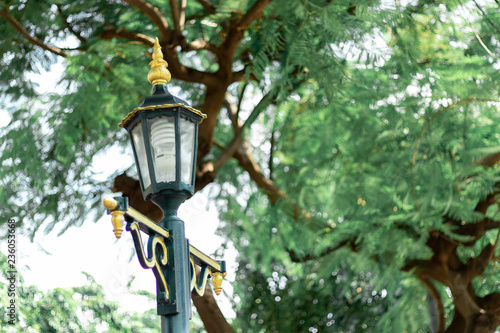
(164, 134)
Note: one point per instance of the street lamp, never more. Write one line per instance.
(164, 134)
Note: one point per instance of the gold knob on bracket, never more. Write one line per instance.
(217, 278)
(110, 203)
(117, 216)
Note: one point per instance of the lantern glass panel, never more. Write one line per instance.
(187, 131)
(162, 131)
(140, 150)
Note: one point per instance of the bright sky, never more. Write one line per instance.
(51, 261)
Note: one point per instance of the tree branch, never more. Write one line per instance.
(297, 258)
(32, 39)
(110, 33)
(178, 70)
(207, 174)
(489, 160)
(477, 229)
(176, 13)
(209, 7)
(198, 44)
(211, 107)
(239, 149)
(484, 204)
(182, 15)
(235, 34)
(184, 73)
(477, 265)
(68, 26)
(155, 16)
(271, 155)
(217, 83)
(240, 100)
(210, 313)
(233, 111)
(235, 143)
(289, 206)
(228, 152)
(240, 76)
(253, 13)
(491, 302)
(486, 16)
(247, 162)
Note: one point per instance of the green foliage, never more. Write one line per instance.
(49, 146)
(379, 167)
(77, 309)
(321, 301)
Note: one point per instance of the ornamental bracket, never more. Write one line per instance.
(158, 248)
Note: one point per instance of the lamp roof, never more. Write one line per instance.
(161, 98)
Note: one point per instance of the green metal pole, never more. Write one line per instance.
(177, 274)
(179, 280)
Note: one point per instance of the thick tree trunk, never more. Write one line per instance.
(472, 314)
(207, 307)
(210, 313)
(476, 321)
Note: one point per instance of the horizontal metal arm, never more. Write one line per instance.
(201, 259)
(145, 224)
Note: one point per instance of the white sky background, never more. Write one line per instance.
(53, 261)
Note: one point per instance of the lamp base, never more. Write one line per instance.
(169, 201)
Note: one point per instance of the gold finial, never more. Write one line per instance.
(159, 73)
(217, 281)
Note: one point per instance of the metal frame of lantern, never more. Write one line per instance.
(164, 134)
(147, 123)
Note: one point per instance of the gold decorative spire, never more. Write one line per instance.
(159, 73)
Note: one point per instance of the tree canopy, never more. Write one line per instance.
(351, 146)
